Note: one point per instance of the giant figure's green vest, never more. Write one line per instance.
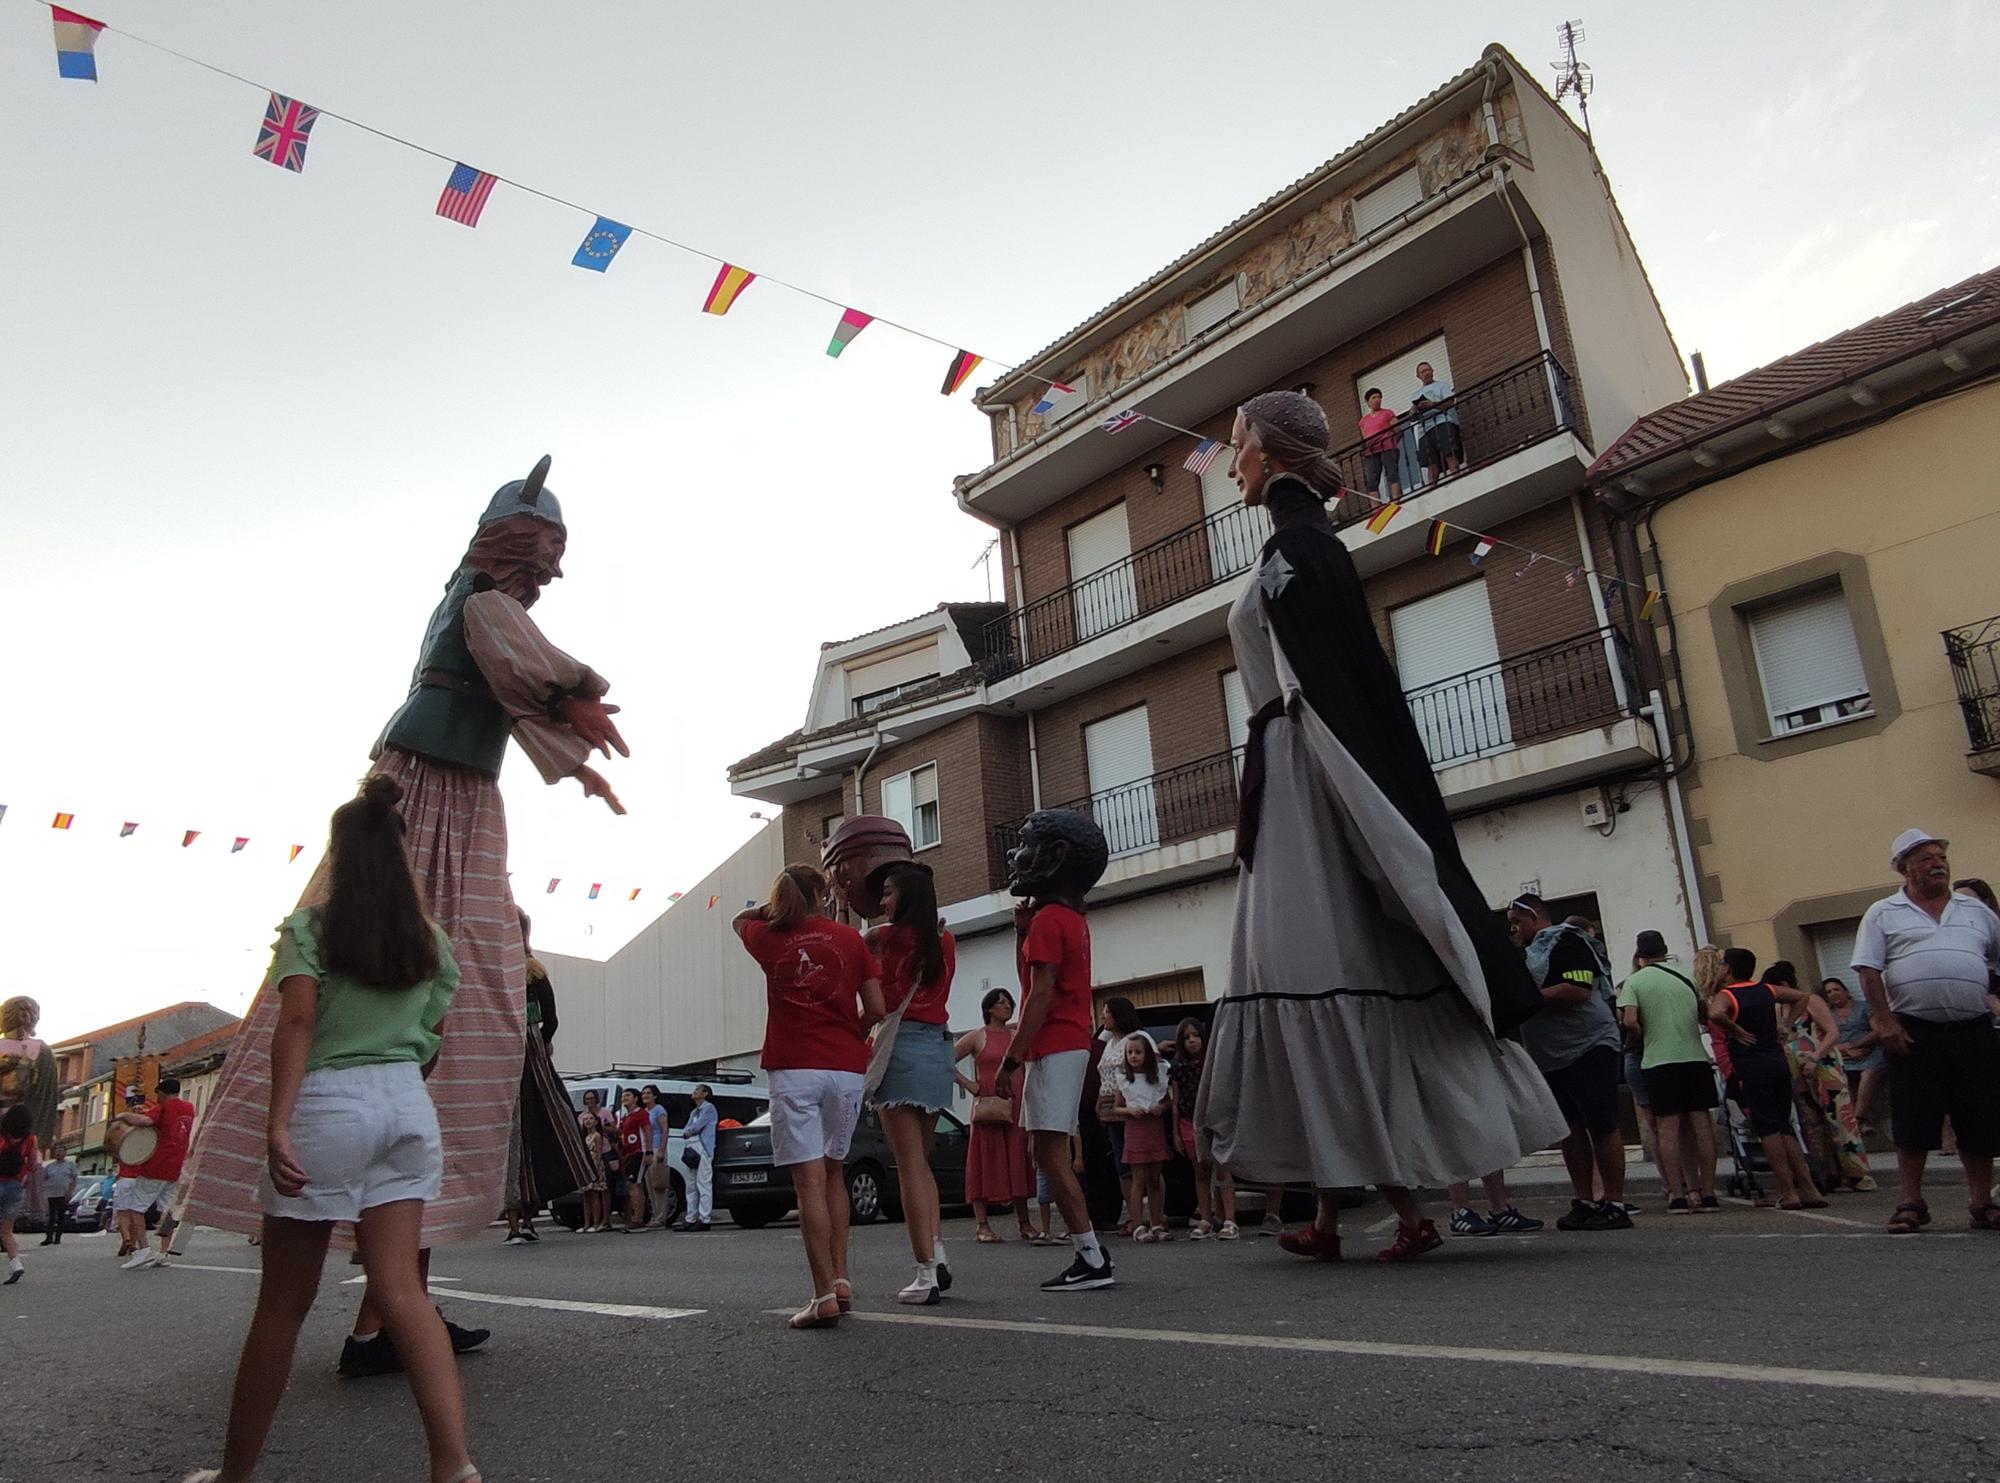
(451, 715)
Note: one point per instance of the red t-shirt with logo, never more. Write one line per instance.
(896, 949)
(174, 1120)
(812, 985)
(1059, 937)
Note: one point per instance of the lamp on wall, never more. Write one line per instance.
(1157, 472)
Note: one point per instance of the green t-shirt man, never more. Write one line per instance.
(1669, 1015)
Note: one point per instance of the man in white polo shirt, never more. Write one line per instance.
(1929, 962)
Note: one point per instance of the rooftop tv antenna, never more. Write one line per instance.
(1573, 79)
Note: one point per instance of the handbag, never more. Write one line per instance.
(987, 1111)
(884, 1046)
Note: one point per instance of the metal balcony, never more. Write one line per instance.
(1974, 652)
(1517, 702)
(1523, 405)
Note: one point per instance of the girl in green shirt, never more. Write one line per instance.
(364, 982)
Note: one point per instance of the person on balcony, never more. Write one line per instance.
(1380, 443)
(1363, 1039)
(1440, 448)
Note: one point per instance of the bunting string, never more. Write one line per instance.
(285, 134)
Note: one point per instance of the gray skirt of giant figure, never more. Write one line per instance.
(1354, 1046)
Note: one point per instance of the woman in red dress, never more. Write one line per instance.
(998, 1167)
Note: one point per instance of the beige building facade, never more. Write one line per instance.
(1827, 534)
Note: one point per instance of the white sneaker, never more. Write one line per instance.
(139, 1259)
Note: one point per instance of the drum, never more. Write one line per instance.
(131, 1145)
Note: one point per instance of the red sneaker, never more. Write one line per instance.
(1411, 1242)
(1321, 1246)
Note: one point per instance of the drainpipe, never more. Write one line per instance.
(1597, 603)
(1656, 710)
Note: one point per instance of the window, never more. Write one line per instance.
(1119, 754)
(1101, 574)
(1448, 660)
(911, 799)
(1387, 201)
(1807, 661)
(1208, 311)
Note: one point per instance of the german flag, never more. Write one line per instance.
(63, 821)
(1434, 542)
(963, 364)
(1384, 517)
(730, 282)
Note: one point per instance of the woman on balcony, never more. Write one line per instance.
(1363, 1040)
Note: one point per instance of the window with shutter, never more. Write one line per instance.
(1387, 201)
(1119, 753)
(1236, 532)
(1807, 661)
(1102, 589)
(1448, 660)
(1208, 311)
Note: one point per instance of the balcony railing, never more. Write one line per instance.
(1974, 652)
(1496, 417)
(1544, 693)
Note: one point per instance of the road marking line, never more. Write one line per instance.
(607, 1310)
(1630, 1364)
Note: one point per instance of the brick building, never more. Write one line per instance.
(1476, 232)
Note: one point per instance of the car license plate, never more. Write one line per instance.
(751, 1176)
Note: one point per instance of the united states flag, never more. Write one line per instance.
(465, 194)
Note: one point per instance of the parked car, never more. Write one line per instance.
(756, 1192)
(733, 1098)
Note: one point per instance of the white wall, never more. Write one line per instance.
(683, 989)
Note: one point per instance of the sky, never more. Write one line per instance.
(252, 415)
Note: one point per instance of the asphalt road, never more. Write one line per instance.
(1749, 1345)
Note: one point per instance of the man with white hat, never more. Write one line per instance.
(1929, 962)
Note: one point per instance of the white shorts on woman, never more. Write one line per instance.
(813, 1114)
(365, 1136)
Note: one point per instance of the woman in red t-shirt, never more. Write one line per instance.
(822, 992)
(918, 960)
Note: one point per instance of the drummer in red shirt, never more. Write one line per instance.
(144, 1185)
(823, 990)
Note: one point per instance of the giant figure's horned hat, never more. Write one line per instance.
(526, 497)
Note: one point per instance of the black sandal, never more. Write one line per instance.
(1910, 1217)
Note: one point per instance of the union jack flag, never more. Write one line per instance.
(285, 133)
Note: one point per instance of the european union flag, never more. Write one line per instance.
(601, 245)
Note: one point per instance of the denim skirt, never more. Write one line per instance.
(920, 1066)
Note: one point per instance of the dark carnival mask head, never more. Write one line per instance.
(1062, 854)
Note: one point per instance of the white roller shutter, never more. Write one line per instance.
(1833, 948)
(1236, 533)
(1807, 658)
(1102, 601)
(1438, 640)
(1119, 753)
(1387, 201)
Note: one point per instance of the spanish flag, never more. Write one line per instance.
(1384, 517)
(1434, 542)
(63, 821)
(963, 364)
(730, 282)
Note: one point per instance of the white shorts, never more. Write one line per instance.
(1053, 1094)
(365, 1136)
(813, 1114)
(135, 1196)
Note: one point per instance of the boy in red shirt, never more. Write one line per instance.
(1060, 857)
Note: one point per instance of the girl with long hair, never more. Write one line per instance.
(823, 990)
(364, 982)
(999, 1170)
(1140, 1104)
(918, 959)
(1214, 1189)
